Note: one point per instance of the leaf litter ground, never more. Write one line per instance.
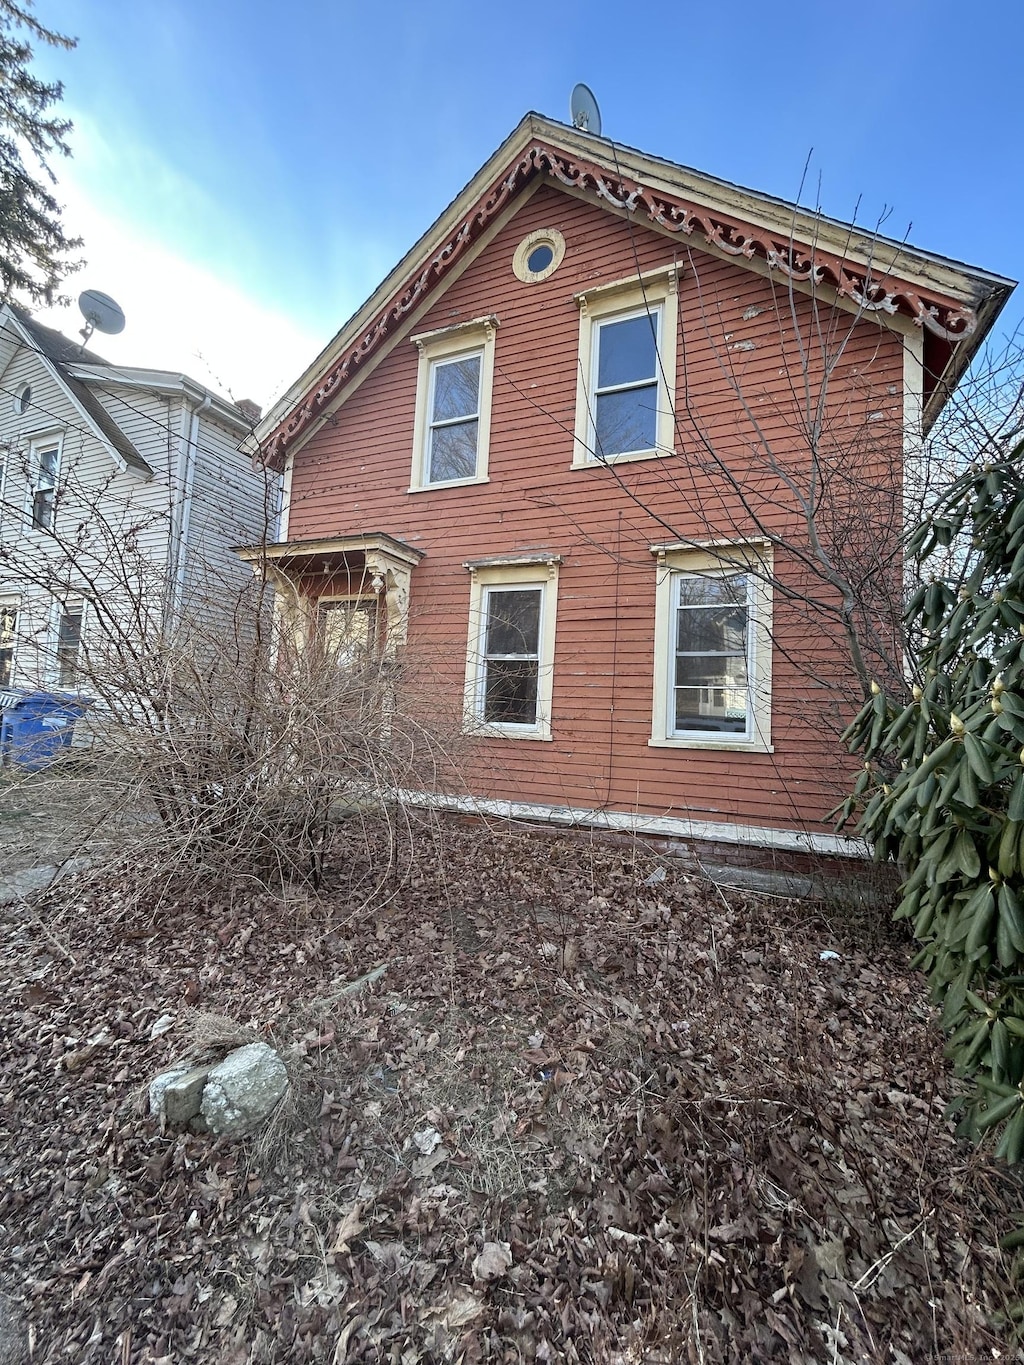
(593, 1109)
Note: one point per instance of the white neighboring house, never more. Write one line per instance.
(117, 485)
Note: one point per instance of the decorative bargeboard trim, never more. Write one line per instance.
(800, 263)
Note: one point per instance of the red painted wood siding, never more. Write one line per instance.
(738, 389)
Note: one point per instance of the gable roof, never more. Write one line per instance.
(953, 304)
(60, 353)
(78, 369)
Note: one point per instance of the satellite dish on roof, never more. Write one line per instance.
(583, 107)
(101, 314)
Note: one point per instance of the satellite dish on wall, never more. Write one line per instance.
(101, 314)
(586, 116)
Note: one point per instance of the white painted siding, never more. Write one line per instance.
(117, 533)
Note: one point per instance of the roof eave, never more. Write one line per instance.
(974, 296)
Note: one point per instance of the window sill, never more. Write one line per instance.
(449, 483)
(628, 457)
(742, 746)
(478, 730)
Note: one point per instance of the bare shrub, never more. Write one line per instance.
(252, 747)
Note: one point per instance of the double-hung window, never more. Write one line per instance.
(69, 641)
(45, 461)
(451, 436)
(8, 632)
(510, 660)
(713, 647)
(625, 396)
(626, 383)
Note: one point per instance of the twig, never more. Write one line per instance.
(883, 1261)
(51, 938)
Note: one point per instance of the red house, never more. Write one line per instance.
(625, 452)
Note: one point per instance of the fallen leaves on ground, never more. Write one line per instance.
(595, 1109)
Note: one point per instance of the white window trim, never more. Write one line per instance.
(657, 289)
(537, 571)
(754, 557)
(37, 445)
(467, 338)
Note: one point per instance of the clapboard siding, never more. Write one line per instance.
(738, 392)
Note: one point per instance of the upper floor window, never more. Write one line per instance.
(44, 463)
(627, 359)
(453, 405)
(713, 650)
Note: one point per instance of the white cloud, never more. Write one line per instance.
(179, 315)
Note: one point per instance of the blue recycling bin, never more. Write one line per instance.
(37, 726)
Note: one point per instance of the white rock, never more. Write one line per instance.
(243, 1090)
(158, 1090)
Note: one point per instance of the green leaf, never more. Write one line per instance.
(980, 763)
(967, 855)
(996, 1113)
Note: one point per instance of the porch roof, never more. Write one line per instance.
(302, 554)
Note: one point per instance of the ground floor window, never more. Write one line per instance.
(69, 641)
(8, 631)
(510, 659)
(348, 629)
(510, 655)
(713, 647)
(712, 672)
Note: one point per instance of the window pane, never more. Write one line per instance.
(8, 624)
(628, 351)
(456, 389)
(721, 709)
(47, 468)
(513, 622)
(453, 452)
(712, 670)
(713, 590)
(626, 421)
(69, 638)
(510, 695)
(348, 630)
(539, 258)
(710, 629)
(42, 509)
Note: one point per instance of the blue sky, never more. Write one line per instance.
(245, 173)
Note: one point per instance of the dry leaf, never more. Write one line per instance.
(492, 1261)
(349, 1228)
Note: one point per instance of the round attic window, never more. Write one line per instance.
(538, 256)
(23, 398)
